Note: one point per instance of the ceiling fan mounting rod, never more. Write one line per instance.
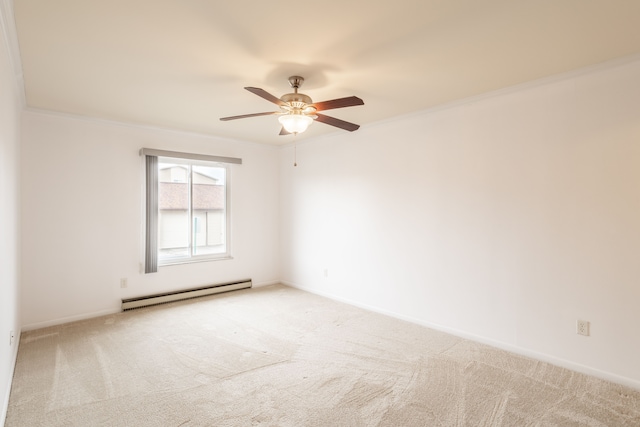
(295, 99)
(296, 82)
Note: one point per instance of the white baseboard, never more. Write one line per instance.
(60, 321)
(587, 370)
(14, 359)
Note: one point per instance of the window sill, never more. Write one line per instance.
(193, 261)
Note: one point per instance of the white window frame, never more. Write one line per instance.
(152, 260)
(185, 259)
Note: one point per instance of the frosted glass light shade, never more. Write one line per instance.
(295, 123)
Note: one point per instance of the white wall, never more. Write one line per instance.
(9, 217)
(504, 219)
(82, 194)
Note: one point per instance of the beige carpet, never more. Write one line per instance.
(277, 356)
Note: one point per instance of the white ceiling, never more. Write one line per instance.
(182, 64)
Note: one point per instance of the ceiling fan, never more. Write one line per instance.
(298, 111)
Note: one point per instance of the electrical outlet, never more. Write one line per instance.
(582, 327)
(12, 338)
(326, 272)
(123, 282)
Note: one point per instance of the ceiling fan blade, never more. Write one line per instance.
(266, 95)
(349, 101)
(337, 123)
(244, 116)
(283, 131)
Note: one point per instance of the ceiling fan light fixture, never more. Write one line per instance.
(295, 123)
(298, 111)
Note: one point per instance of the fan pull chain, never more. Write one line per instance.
(295, 151)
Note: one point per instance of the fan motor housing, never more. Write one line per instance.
(296, 98)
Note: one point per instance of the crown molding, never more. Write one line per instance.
(8, 27)
(138, 126)
(520, 87)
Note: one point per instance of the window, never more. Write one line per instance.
(192, 210)
(187, 208)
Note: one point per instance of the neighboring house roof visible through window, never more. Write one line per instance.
(208, 197)
(175, 196)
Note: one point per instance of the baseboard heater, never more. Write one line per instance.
(131, 303)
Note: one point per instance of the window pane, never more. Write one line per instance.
(192, 211)
(208, 201)
(173, 207)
